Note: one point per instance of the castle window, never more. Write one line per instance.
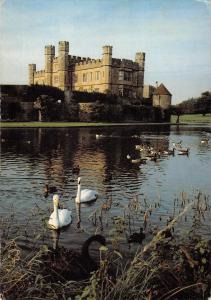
(91, 76)
(97, 75)
(121, 75)
(84, 77)
(127, 76)
(75, 77)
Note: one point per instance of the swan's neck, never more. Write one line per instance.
(78, 196)
(85, 249)
(56, 220)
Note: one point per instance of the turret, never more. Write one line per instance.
(49, 56)
(63, 52)
(107, 55)
(32, 70)
(106, 68)
(140, 59)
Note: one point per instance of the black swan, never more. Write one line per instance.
(66, 264)
(137, 237)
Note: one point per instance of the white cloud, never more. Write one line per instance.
(207, 2)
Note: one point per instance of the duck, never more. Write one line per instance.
(183, 151)
(177, 145)
(139, 147)
(49, 189)
(135, 161)
(128, 156)
(60, 217)
(169, 151)
(65, 264)
(137, 237)
(76, 170)
(85, 195)
(152, 157)
(204, 140)
(98, 136)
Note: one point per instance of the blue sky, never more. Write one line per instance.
(175, 34)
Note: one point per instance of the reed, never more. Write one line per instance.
(168, 266)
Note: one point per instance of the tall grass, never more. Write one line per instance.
(169, 266)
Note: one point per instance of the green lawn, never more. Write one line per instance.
(183, 119)
(192, 118)
(56, 124)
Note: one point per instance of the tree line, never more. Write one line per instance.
(199, 105)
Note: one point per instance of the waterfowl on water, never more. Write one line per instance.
(135, 161)
(60, 217)
(49, 189)
(65, 264)
(76, 170)
(85, 195)
(204, 140)
(177, 144)
(137, 237)
(184, 151)
(98, 136)
(128, 156)
(169, 151)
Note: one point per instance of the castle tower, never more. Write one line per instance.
(162, 97)
(140, 59)
(63, 52)
(32, 70)
(49, 56)
(106, 67)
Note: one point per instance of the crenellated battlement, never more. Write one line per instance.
(65, 71)
(88, 64)
(40, 72)
(125, 63)
(63, 47)
(50, 50)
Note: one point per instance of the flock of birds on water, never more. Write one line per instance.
(150, 153)
(72, 265)
(62, 217)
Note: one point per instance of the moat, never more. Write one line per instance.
(31, 158)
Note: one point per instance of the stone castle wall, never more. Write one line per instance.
(163, 101)
(108, 74)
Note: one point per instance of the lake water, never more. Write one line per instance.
(31, 158)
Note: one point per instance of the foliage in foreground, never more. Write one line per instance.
(167, 267)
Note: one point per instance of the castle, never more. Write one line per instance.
(106, 75)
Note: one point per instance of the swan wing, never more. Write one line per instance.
(88, 195)
(65, 217)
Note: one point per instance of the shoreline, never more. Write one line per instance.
(7, 124)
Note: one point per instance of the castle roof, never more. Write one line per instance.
(162, 90)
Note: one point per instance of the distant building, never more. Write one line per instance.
(106, 75)
(161, 97)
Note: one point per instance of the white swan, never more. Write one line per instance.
(60, 217)
(85, 195)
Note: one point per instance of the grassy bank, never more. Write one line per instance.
(196, 118)
(53, 124)
(183, 119)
